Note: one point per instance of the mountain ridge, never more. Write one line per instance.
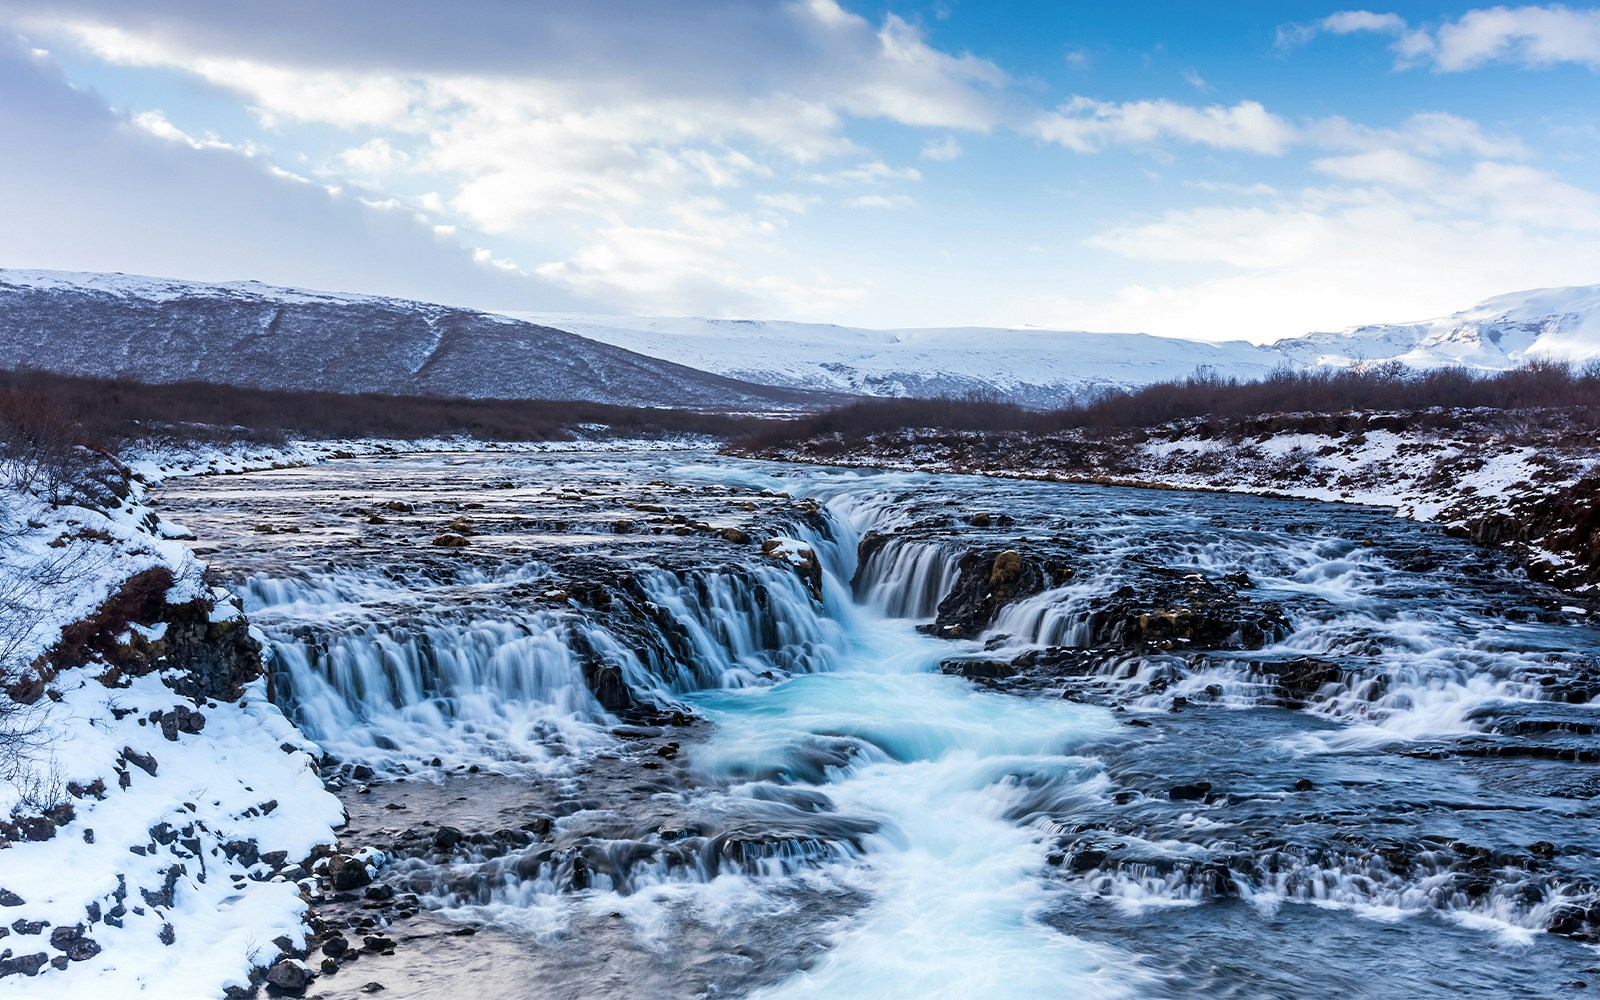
(262, 336)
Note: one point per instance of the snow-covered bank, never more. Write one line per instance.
(157, 463)
(156, 805)
(1525, 479)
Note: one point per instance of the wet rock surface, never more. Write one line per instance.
(1201, 658)
(456, 851)
(1314, 708)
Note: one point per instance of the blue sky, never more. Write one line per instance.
(1243, 170)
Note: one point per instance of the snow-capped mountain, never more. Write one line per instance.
(1032, 367)
(249, 334)
(1559, 324)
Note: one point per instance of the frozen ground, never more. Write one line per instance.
(152, 838)
(1520, 478)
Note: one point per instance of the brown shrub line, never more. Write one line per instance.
(1386, 396)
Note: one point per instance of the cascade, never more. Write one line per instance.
(767, 746)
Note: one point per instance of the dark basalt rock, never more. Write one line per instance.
(181, 719)
(1300, 679)
(986, 581)
(606, 682)
(347, 873)
(24, 965)
(289, 976)
(1170, 609)
(977, 669)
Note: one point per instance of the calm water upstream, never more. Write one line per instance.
(672, 725)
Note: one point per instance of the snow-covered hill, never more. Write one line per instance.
(1049, 367)
(246, 333)
(1559, 324)
(1032, 367)
(250, 334)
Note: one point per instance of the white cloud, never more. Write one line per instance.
(591, 121)
(874, 172)
(790, 202)
(1085, 125)
(887, 201)
(1427, 134)
(946, 148)
(374, 158)
(158, 200)
(1396, 236)
(685, 268)
(1529, 36)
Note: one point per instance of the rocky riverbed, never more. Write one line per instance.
(675, 725)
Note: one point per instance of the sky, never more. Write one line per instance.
(1227, 170)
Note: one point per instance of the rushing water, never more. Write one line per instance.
(749, 775)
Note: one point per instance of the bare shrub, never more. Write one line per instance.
(1309, 401)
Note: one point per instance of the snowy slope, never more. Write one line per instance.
(250, 334)
(1560, 324)
(1034, 367)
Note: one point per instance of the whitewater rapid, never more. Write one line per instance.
(760, 754)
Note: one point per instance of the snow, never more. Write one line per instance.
(211, 788)
(1557, 324)
(135, 286)
(154, 464)
(1031, 364)
(1041, 367)
(221, 923)
(224, 338)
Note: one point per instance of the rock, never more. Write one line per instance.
(30, 926)
(1193, 791)
(1300, 679)
(977, 669)
(379, 893)
(450, 541)
(25, 965)
(335, 946)
(9, 898)
(290, 975)
(347, 872)
(447, 837)
(71, 941)
(143, 761)
(377, 942)
(182, 719)
(373, 988)
(606, 683)
(986, 581)
(736, 536)
(1304, 785)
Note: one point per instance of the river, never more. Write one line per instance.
(666, 724)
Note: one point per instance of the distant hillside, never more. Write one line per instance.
(1040, 368)
(1047, 368)
(250, 334)
(1557, 324)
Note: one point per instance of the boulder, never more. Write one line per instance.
(290, 975)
